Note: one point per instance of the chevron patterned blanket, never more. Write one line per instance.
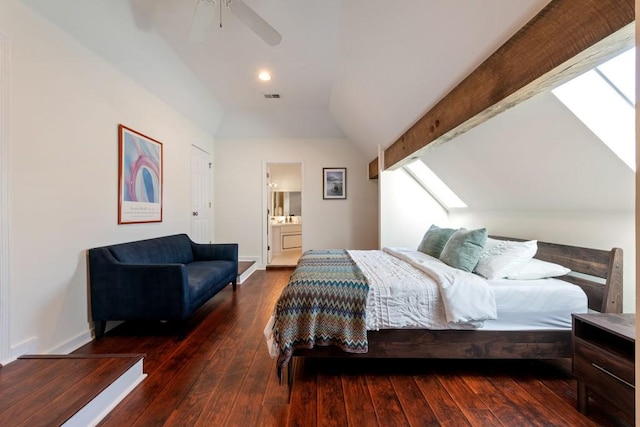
(323, 304)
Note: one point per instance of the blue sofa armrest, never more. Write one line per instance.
(215, 251)
(121, 291)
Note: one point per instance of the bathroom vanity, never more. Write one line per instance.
(285, 236)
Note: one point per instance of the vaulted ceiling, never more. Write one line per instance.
(364, 69)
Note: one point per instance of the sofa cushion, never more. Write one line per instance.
(169, 249)
(206, 278)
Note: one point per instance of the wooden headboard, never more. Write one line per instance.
(604, 295)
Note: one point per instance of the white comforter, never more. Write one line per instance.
(408, 289)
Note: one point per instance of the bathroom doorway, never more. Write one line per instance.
(284, 222)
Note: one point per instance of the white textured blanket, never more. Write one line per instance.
(408, 289)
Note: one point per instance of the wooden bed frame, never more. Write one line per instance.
(603, 289)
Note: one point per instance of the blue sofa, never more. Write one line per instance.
(166, 278)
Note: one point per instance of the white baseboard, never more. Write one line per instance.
(244, 276)
(73, 344)
(29, 346)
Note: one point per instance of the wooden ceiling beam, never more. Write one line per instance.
(373, 169)
(566, 38)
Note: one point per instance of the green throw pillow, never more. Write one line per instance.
(434, 240)
(464, 248)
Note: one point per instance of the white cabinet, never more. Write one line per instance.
(291, 241)
(286, 237)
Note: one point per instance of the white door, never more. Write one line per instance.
(200, 195)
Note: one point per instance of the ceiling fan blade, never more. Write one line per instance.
(252, 20)
(202, 21)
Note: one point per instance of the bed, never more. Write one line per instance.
(597, 272)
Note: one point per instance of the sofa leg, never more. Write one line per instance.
(234, 284)
(183, 329)
(99, 327)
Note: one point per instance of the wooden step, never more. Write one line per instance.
(70, 390)
(245, 269)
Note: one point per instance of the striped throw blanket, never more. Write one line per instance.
(323, 304)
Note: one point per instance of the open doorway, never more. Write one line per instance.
(284, 214)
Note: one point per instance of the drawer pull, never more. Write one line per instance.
(613, 375)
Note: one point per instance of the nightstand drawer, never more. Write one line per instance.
(604, 360)
(612, 379)
(586, 354)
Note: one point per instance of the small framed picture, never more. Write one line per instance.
(139, 177)
(334, 183)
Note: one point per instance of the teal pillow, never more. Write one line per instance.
(434, 240)
(464, 248)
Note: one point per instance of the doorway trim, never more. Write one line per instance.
(5, 318)
(265, 202)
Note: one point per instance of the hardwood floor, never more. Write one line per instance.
(222, 375)
(45, 390)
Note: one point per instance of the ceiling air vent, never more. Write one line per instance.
(272, 95)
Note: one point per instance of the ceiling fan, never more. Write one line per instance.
(204, 13)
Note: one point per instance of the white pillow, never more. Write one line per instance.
(537, 269)
(502, 258)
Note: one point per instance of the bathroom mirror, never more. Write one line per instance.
(286, 203)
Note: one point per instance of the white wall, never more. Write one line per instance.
(406, 210)
(117, 32)
(66, 103)
(239, 208)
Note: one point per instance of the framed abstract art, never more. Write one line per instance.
(139, 177)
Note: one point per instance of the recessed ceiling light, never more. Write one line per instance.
(265, 76)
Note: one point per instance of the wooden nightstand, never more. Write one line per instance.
(604, 359)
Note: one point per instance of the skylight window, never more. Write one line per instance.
(604, 100)
(434, 185)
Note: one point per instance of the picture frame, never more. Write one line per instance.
(140, 177)
(334, 183)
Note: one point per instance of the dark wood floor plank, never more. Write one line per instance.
(190, 409)
(272, 415)
(504, 408)
(181, 351)
(385, 401)
(172, 395)
(440, 402)
(519, 395)
(21, 402)
(221, 374)
(357, 401)
(413, 402)
(244, 410)
(131, 408)
(91, 377)
(303, 409)
(275, 393)
(192, 406)
(20, 380)
(240, 347)
(472, 407)
(537, 392)
(331, 408)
